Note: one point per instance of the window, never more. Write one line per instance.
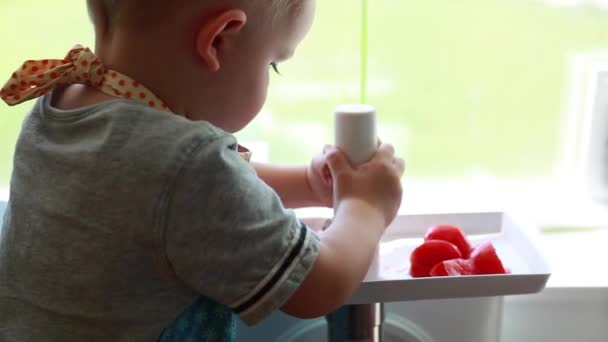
(586, 130)
(464, 89)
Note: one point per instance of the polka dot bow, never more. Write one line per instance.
(36, 78)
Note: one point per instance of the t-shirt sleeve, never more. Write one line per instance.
(229, 238)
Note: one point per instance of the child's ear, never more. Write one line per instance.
(214, 32)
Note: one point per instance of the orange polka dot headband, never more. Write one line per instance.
(36, 78)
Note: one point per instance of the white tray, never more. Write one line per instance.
(388, 279)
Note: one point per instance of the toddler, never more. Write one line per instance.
(134, 215)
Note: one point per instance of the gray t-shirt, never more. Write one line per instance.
(120, 216)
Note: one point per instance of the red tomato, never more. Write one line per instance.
(450, 234)
(485, 260)
(452, 267)
(429, 254)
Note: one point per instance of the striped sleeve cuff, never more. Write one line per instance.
(282, 281)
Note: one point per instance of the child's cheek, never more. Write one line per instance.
(259, 95)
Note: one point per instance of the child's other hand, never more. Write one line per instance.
(376, 182)
(320, 180)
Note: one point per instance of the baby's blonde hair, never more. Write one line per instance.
(104, 13)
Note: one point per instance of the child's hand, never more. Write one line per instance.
(319, 178)
(376, 182)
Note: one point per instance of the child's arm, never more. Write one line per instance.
(294, 184)
(367, 201)
(347, 249)
(228, 237)
(290, 183)
(300, 186)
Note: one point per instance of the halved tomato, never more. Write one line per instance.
(453, 267)
(485, 260)
(429, 254)
(451, 234)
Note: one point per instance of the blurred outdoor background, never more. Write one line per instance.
(463, 88)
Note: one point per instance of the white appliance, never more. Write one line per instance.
(439, 320)
(430, 309)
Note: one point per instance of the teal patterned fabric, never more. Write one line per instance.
(203, 321)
